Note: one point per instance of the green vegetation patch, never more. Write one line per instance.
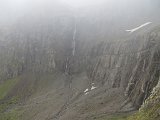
(7, 109)
(152, 113)
(13, 114)
(7, 86)
(8, 103)
(151, 108)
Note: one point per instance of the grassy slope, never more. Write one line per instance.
(8, 111)
(5, 88)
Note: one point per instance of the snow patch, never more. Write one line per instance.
(139, 27)
(92, 88)
(86, 93)
(86, 90)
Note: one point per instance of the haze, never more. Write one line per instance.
(123, 14)
(79, 60)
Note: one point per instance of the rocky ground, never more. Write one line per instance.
(83, 67)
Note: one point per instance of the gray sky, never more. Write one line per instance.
(12, 10)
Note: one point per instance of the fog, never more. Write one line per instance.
(115, 12)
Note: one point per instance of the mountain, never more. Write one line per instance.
(62, 63)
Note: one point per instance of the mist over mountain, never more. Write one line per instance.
(79, 60)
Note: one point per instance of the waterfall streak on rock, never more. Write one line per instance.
(74, 40)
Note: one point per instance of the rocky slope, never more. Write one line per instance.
(67, 67)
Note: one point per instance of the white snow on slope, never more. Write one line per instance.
(86, 93)
(90, 89)
(139, 27)
(93, 88)
(86, 90)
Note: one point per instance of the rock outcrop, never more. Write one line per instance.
(75, 68)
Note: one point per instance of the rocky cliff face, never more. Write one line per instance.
(74, 68)
(130, 66)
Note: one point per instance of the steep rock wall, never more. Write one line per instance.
(129, 64)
